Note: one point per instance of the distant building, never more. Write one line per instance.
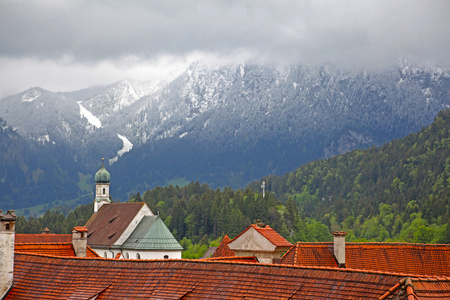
(70, 245)
(127, 230)
(261, 241)
(422, 259)
(38, 272)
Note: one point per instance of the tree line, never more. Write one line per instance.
(397, 192)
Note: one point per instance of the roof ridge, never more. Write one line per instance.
(45, 243)
(375, 243)
(45, 234)
(128, 203)
(267, 230)
(203, 261)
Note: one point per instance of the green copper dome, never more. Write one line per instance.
(102, 176)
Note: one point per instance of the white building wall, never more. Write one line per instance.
(252, 240)
(133, 254)
(6, 258)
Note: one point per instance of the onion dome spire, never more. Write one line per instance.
(102, 176)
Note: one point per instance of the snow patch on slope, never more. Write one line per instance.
(127, 146)
(93, 120)
(31, 96)
(44, 139)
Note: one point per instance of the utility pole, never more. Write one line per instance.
(263, 186)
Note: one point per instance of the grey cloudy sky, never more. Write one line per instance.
(70, 44)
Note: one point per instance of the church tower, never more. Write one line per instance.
(102, 179)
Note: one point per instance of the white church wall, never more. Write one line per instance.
(133, 254)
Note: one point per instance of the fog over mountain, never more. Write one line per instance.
(222, 125)
(68, 45)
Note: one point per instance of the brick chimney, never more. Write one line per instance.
(79, 240)
(7, 234)
(339, 247)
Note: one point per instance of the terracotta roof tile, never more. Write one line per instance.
(108, 224)
(270, 234)
(223, 250)
(54, 249)
(431, 289)
(43, 277)
(249, 259)
(80, 229)
(43, 238)
(419, 259)
(428, 288)
(273, 236)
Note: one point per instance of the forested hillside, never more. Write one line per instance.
(404, 179)
(225, 126)
(397, 192)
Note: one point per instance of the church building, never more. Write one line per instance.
(127, 230)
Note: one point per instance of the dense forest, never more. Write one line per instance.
(397, 192)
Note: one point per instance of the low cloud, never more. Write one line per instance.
(83, 39)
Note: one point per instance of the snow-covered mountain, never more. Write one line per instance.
(228, 125)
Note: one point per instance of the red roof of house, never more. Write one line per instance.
(43, 238)
(248, 259)
(419, 259)
(419, 288)
(54, 249)
(46, 277)
(270, 234)
(108, 224)
(223, 250)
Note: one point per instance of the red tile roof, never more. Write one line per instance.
(419, 259)
(54, 249)
(108, 224)
(419, 288)
(43, 238)
(45, 277)
(223, 250)
(310, 254)
(248, 259)
(270, 234)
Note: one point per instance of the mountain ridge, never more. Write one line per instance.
(228, 125)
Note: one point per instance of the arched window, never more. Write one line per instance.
(105, 255)
(138, 256)
(166, 256)
(127, 256)
(104, 191)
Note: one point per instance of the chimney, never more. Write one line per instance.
(260, 223)
(79, 240)
(7, 234)
(339, 247)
